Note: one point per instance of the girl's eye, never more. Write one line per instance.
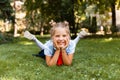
(64, 35)
(57, 36)
(60, 35)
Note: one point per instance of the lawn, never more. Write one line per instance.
(94, 59)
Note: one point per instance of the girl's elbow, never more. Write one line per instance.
(49, 64)
(68, 64)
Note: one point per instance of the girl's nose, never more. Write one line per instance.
(61, 38)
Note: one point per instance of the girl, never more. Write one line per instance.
(60, 49)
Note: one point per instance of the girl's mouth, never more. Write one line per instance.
(62, 43)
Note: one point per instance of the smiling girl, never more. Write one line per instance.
(60, 49)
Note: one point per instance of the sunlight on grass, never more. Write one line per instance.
(8, 78)
(26, 43)
(107, 39)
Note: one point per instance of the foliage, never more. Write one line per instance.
(70, 10)
(114, 29)
(101, 6)
(47, 11)
(6, 10)
(5, 37)
(88, 9)
(95, 59)
(93, 28)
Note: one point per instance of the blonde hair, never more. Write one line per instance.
(55, 25)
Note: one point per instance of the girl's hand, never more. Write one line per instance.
(55, 44)
(66, 43)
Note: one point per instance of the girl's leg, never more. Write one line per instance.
(39, 44)
(30, 36)
(80, 35)
(76, 40)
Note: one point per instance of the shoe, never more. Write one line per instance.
(83, 33)
(28, 35)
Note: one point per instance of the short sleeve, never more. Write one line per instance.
(49, 48)
(71, 47)
(47, 52)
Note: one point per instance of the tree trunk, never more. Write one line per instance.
(74, 28)
(41, 29)
(113, 16)
(15, 30)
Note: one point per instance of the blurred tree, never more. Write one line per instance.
(113, 10)
(85, 14)
(6, 14)
(37, 11)
(6, 10)
(45, 10)
(109, 6)
(40, 12)
(101, 6)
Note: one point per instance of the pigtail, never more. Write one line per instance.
(52, 23)
(66, 24)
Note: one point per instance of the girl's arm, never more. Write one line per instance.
(67, 58)
(52, 60)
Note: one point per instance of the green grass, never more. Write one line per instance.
(94, 59)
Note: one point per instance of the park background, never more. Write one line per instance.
(97, 55)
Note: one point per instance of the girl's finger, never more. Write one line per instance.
(67, 41)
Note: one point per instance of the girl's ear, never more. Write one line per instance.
(52, 23)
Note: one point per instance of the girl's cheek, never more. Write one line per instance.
(53, 38)
(68, 38)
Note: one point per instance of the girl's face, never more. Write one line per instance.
(61, 37)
